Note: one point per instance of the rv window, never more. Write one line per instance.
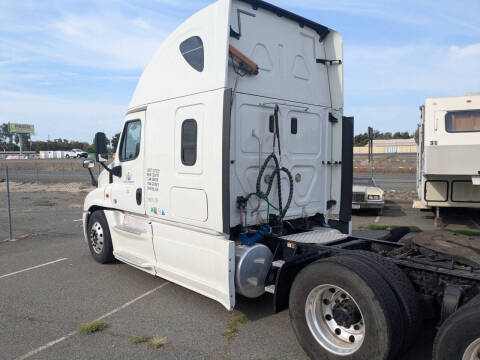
(463, 121)
(192, 51)
(130, 147)
(189, 142)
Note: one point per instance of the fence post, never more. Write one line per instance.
(8, 205)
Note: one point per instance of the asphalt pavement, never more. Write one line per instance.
(49, 285)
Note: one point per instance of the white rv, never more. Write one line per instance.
(448, 167)
(233, 177)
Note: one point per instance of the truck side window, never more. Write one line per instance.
(192, 51)
(189, 142)
(130, 147)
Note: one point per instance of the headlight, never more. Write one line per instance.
(373, 197)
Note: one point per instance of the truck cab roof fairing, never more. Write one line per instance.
(322, 31)
(169, 74)
(160, 80)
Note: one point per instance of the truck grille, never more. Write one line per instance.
(358, 197)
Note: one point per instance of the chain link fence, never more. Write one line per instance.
(47, 171)
(386, 164)
(43, 195)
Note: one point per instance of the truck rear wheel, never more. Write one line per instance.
(99, 239)
(344, 312)
(459, 336)
(402, 288)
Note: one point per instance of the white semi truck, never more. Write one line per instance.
(233, 177)
(448, 170)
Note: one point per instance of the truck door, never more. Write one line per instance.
(130, 228)
(128, 191)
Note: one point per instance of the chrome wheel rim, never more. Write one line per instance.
(335, 319)
(473, 351)
(97, 238)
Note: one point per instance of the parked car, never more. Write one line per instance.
(76, 153)
(367, 195)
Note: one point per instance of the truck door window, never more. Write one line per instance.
(130, 148)
(463, 121)
(192, 51)
(189, 142)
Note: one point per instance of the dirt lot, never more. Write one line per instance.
(50, 285)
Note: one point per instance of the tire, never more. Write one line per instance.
(67, 156)
(99, 238)
(402, 287)
(379, 309)
(474, 301)
(459, 336)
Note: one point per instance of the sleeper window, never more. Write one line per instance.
(189, 142)
(463, 121)
(131, 138)
(192, 51)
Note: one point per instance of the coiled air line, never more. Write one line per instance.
(282, 211)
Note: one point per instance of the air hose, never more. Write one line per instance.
(276, 174)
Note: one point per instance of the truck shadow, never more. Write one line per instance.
(255, 309)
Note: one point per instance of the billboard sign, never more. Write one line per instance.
(21, 128)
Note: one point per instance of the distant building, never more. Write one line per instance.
(394, 146)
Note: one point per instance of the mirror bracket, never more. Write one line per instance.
(117, 171)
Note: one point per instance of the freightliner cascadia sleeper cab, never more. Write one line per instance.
(233, 177)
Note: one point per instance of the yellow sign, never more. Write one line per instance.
(22, 129)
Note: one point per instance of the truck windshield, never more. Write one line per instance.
(463, 121)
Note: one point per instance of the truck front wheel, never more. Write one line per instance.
(99, 239)
(341, 313)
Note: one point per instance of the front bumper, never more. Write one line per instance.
(372, 204)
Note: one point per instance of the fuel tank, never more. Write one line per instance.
(252, 266)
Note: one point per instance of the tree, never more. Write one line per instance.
(362, 139)
(4, 135)
(115, 140)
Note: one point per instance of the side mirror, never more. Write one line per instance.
(88, 164)
(101, 151)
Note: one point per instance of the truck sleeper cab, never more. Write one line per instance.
(238, 84)
(233, 176)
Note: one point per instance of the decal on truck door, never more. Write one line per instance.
(152, 179)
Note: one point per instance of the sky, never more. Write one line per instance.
(70, 66)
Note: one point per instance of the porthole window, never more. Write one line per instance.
(193, 53)
(189, 142)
